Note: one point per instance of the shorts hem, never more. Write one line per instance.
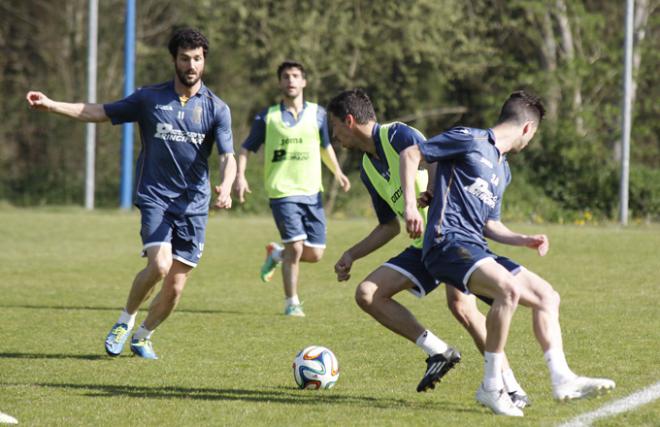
(418, 290)
(184, 261)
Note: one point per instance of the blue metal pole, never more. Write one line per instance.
(126, 185)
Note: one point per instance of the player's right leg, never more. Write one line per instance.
(465, 310)
(156, 235)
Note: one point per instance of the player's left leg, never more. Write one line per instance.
(544, 301)
(464, 308)
(375, 296)
(290, 270)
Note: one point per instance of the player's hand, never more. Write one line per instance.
(424, 199)
(38, 101)
(539, 242)
(414, 222)
(224, 197)
(343, 267)
(241, 187)
(344, 182)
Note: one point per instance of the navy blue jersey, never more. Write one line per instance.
(401, 136)
(470, 181)
(172, 168)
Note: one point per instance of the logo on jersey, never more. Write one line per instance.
(164, 107)
(166, 132)
(197, 115)
(281, 155)
(486, 162)
(480, 190)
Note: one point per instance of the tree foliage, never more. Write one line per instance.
(434, 63)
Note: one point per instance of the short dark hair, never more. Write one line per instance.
(290, 63)
(187, 38)
(522, 106)
(355, 102)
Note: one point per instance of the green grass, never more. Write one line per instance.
(226, 352)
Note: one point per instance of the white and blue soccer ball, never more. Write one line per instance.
(315, 367)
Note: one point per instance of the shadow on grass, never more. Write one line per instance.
(118, 309)
(53, 356)
(283, 395)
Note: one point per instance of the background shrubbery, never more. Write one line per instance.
(431, 63)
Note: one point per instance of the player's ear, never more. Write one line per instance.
(527, 127)
(349, 120)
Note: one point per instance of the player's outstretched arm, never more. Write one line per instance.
(241, 185)
(378, 237)
(500, 233)
(76, 110)
(330, 160)
(227, 174)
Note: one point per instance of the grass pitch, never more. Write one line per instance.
(226, 352)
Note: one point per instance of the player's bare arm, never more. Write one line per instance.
(241, 185)
(500, 233)
(227, 174)
(76, 110)
(378, 237)
(330, 160)
(408, 163)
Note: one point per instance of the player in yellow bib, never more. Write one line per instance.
(296, 141)
(353, 122)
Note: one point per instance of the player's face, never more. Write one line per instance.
(292, 82)
(340, 132)
(189, 65)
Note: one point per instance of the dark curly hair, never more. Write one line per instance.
(187, 38)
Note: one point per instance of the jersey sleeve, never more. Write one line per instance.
(384, 212)
(448, 145)
(496, 213)
(125, 110)
(224, 138)
(322, 120)
(257, 134)
(402, 136)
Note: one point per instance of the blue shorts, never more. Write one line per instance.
(300, 221)
(184, 232)
(454, 261)
(409, 263)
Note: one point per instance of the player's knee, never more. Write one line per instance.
(551, 300)
(160, 267)
(364, 294)
(292, 253)
(313, 254)
(509, 293)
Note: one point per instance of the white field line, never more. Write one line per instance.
(642, 397)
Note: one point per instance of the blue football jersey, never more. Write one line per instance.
(470, 182)
(172, 167)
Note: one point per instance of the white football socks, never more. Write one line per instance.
(293, 300)
(493, 371)
(510, 382)
(277, 253)
(142, 333)
(559, 370)
(127, 318)
(431, 344)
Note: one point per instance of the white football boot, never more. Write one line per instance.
(498, 401)
(581, 387)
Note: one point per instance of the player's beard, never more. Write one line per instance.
(182, 75)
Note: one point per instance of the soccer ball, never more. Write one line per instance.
(315, 367)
